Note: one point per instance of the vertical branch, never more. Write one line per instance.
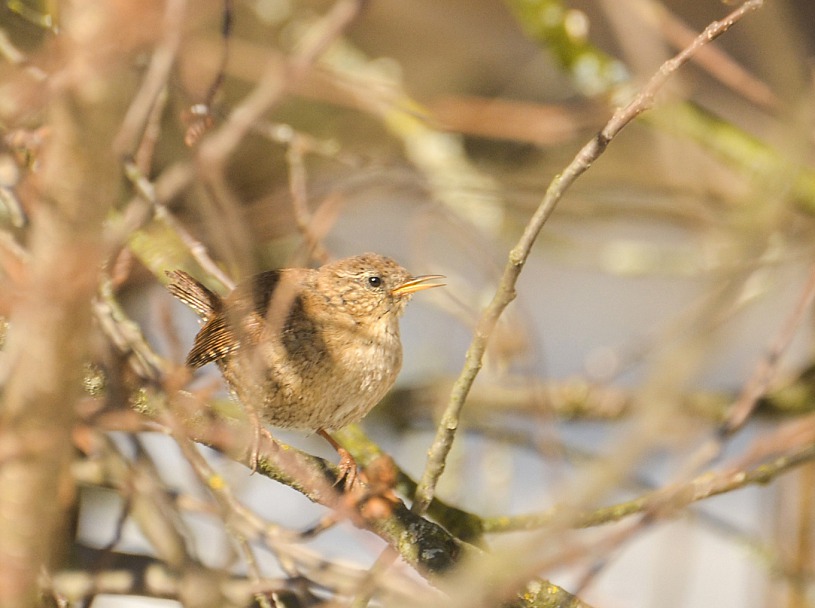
(50, 325)
(446, 431)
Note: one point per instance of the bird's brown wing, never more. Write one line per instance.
(239, 319)
(215, 341)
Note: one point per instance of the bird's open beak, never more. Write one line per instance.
(417, 284)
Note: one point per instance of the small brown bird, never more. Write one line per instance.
(307, 349)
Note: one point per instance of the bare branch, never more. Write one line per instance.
(505, 292)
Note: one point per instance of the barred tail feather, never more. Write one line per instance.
(193, 293)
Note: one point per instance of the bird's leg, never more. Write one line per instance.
(257, 431)
(347, 465)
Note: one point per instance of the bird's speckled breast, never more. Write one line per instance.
(320, 387)
(367, 371)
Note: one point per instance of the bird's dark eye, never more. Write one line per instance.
(375, 281)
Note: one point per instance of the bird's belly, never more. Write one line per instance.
(325, 394)
(368, 373)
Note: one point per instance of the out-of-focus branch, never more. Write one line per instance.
(155, 79)
(757, 160)
(274, 82)
(426, 546)
(177, 243)
(715, 61)
(295, 157)
(139, 575)
(670, 500)
(551, 23)
(50, 324)
(422, 544)
(453, 179)
(281, 74)
(767, 368)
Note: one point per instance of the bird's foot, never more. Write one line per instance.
(348, 471)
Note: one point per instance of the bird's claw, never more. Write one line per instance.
(348, 472)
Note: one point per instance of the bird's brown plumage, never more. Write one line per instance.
(307, 348)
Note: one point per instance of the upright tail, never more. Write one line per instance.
(215, 340)
(193, 293)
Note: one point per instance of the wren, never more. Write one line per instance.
(309, 349)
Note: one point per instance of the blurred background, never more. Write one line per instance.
(676, 266)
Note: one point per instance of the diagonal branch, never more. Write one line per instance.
(446, 430)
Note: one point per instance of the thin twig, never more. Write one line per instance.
(229, 507)
(147, 191)
(716, 62)
(446, 431)
(703, 487)
(155, 80)
(126, 335)
(299, 198)
(227, 19)
(274, 82)
(767, 368)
